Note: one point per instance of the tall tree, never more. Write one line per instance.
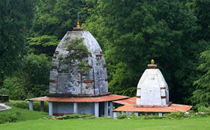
(202, 36)
(56, 17)
(31, 80)
(201, 95)
(202, 12)
(15, 23)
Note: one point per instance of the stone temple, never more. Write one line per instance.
(78, 78)
(74, 79)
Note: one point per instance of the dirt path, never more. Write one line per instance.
(4, 107)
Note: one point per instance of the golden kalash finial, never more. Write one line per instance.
(152, 65)
(78, 28)
(152, 61)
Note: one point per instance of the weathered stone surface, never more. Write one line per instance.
(69, 79)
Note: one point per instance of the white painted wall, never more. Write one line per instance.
(149, 90)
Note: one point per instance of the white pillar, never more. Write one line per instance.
(42, 106)
(111, 108)
(106, 109)
(115, 114)
(75, 107)
(96, 109)
(136, 113)
(50, 108)
(31, 105)
(160, 114)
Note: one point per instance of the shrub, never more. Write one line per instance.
(74, 116)
(203, 109)
(9, 117)
(122, 116)
(176, 115)
(152, 116)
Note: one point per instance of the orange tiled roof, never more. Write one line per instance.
(130, 102)
(172, 108)
(80, 99)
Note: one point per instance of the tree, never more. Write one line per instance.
(53, 19)
(201, 95)
(44, 44)
(77, 52)
(31, 80)
(202, 36)
(15, 23)
(202, 12)
(56, 17)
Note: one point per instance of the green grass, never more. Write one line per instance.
(201, 123)
(33, 120)
(21, 115)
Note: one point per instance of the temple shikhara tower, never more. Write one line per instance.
(152, 89)
(78, 66)
(78, 77)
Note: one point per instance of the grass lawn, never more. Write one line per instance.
(18, 114)
(33, 120)
(25, 114)
(196, 123)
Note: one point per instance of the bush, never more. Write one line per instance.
(141, 116)
(152, 116)
(74, 116)
(9, 117)
(203, 109)
(122, 116)
(176, 115)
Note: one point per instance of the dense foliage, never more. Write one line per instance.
(15, 23)
(31, 80)
(131, 33)
(202, 93)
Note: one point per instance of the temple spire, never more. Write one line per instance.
(78, 28)
(78, 25)
(152, 65)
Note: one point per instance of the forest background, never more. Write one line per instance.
(175, 33)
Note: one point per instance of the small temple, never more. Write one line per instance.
(79, 83)
(152, 96)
